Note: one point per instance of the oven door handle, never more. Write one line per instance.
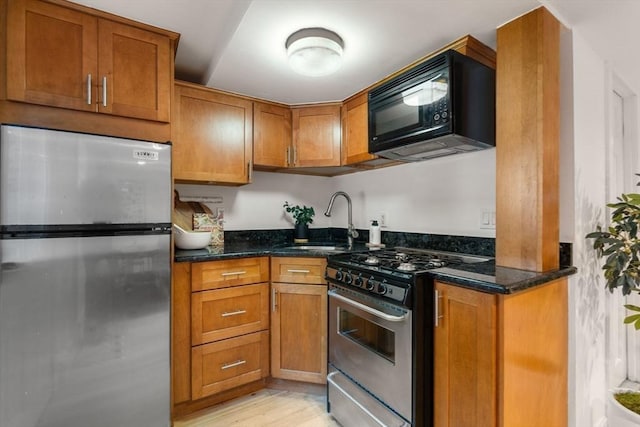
(353, 400)
(370, 310)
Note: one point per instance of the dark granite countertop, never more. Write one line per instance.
(483, 276)
(487, 277)
(248, 249)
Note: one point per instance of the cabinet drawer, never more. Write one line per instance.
(229, 363)
(298, 270)
(225, 313)
(224, 274)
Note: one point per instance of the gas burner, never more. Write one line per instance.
(372, 260)
(406, 266)
(401, 256)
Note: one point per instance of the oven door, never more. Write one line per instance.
(370, 341)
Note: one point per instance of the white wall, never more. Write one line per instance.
(438, 196)
(587, 294)
(258, 206)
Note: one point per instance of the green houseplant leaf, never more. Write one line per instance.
(300, 214)
(619, 246)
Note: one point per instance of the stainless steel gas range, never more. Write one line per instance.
(381, 335)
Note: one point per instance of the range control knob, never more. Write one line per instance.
(339, 275)
(382, 289)
(348, 278)
(358, 281)
(371, 284)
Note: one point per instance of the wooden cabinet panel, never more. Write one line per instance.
(271, 135)
(136, 66)
(181, 332)
(316, 136)
(63, 57)
(212, 136)
(298, 270)
(355, 131)
(229, 363)
(224, 313)
(51, 52)
(299, 332)
(465, 358)
(224, 274)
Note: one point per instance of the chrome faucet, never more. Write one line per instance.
(351, 231)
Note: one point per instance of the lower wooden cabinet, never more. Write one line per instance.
(465, 358)
(220, 330)
(299, 332)
(229, 363)
(298, 319)
(229, 312)
(501, 359)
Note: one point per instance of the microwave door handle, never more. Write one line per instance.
(366, 308)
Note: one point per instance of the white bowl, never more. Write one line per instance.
(185, 239)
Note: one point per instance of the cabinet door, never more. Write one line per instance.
(51, 55)
(316, 136)
(271, 135)
(465, 358)
(299, 332)
(227, 273)
(298, 270)
(134, 72)
(225, 364)
(355, 131)
(225, 313)
(212, 136)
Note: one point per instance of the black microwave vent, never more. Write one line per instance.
(412, 73)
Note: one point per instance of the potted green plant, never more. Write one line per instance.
(302, 216)
(619, 246)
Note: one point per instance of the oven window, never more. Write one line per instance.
(368, 334)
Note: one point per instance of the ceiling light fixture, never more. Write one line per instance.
(314, 51)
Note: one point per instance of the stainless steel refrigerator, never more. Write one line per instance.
(84, 281)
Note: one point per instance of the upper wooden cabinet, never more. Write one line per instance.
(296, 137)
(63, 57)
(316, 136)
(271, 135)
(212, 136)
(355, 131)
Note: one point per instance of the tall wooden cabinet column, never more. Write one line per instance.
(532, 368)
(527, 146)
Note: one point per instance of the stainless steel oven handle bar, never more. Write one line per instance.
(354, 401)
(370, 310)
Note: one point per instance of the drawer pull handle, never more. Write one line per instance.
(104, 91)
(233, 364)
(233, 313)
(299, 271)
(89, 89)
(233, 273)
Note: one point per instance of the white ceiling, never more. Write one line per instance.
(238, 45)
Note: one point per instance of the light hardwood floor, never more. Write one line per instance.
(265, 408)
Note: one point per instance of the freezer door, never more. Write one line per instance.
(54, 177)
(84, 332)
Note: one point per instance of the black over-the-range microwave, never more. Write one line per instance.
(443, 106)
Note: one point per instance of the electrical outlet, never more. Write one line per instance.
(384, 219)
(488, 219)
